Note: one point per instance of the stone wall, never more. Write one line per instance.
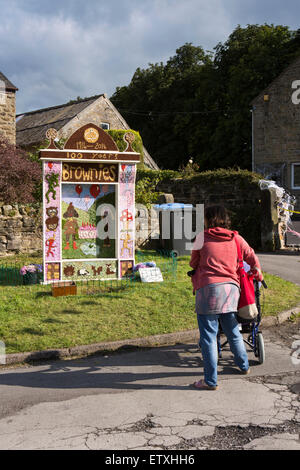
(20, 229)
(276, 136)
(147, 228)
(8, 116)
(254, 214)
(98, 112)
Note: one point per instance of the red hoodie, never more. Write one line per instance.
(217, 260)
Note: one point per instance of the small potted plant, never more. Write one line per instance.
(30, 273)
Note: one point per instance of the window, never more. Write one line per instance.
(105, 125)
(295, 175)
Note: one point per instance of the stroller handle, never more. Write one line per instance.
(257, 284)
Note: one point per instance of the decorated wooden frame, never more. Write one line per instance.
(88, 206)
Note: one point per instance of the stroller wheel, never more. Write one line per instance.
(260, 348)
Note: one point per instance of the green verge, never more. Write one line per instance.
(31, 319)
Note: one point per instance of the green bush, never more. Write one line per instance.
(146, 182)
(244, 177)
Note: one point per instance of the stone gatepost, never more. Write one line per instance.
(270, 227)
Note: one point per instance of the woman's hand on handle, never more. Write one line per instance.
(257, 274)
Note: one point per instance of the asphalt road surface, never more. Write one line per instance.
(286, 266)
(142, 399)
(293, 238)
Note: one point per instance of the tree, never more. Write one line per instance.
(245, 64)
(160, 103)
(199, 105)
(18, 174)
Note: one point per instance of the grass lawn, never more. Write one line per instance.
(31, 319)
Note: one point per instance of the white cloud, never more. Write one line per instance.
(55, 51)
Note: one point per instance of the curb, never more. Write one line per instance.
(280, 318)
(149, 341)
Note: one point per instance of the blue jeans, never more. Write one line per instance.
(208, 327)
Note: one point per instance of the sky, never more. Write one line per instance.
(57, 50)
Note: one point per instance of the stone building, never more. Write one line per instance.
(7, 109)
(67, 118)
(276, 131)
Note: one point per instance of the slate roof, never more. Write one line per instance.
(8, 85)
(32, 126)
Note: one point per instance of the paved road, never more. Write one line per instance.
(141, 399)
(291, 238)
(285, 266)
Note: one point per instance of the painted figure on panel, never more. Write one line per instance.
(71, 226)
(52, 180)
(126, 239)
(50, 244)
(126, 217)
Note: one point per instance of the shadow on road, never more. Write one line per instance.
(141, 368)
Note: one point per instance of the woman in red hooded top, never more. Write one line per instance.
(216, 283)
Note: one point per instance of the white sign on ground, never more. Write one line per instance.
(151, 275)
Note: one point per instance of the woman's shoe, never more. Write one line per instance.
(201, 385)
(245, 372)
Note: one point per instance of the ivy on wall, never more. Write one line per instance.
(146, 182)
(118, 136)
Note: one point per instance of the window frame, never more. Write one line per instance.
(293, 176)
(106, 124)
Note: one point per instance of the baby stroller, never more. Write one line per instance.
(255, 338)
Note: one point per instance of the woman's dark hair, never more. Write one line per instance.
(217, 216)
